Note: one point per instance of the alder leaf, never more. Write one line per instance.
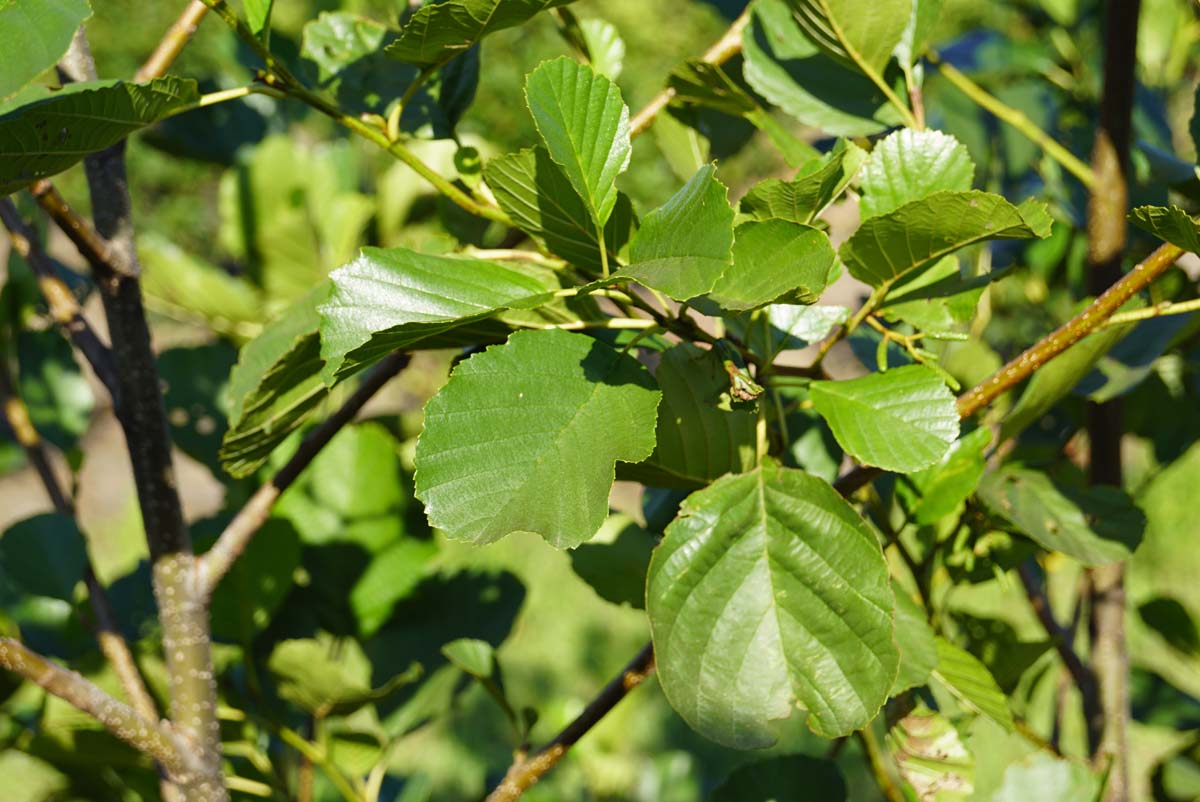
(970, 681)
(388, 299)
(34, 34)
(585, 126)
(902, 420)
(439, 31)
(1097, 526)
(909, 165)
(920, 233)
(840, 28)
(817, 184)
(536, 194)
(684, 246)
(45, 137)
(1172, 224)
(775, 261)
(525, 436)
(769, 593)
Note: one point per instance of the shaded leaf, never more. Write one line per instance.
(585, 127)
(918, 234)
(330, 676)
(56, 393)
(924, 18)
(770, 593)
(536, 194)
(937, 491)
(390, 577)
(916, 641)
(1172, 224)
(971, 683)
(524, 437)
(786, 778)
(179, 280)
(257, 584)
(785, 327)
(358, 473)
(34, 35)
(776, 261)
(909, 165)
(388, 299)
(1096, 527)
(684, 246)
(1043, 776)
(439, 31)
(788, 69)
(902, 420)
(615, 565)
(45, 137)
(817, 184)
(44, 556)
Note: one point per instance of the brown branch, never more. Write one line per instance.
(182, 611)
(147, 736)
(217, 561)
(172, 43)
(1082, 676)
(112, 643)
(64, 309)
(725, 48)
(527, 771)
(90, 245)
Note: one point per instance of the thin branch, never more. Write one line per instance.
(217, 561)
(112, 643)
(725, 48)
(1016, 119)
(89, 244)
(1158, 310)
(527, 771)
(147, 736)
(1083, 677)
(64, 309)
(172, 43)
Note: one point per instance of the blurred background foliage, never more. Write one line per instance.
(352, 624)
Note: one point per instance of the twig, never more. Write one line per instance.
(64, 309)
(1016, 119)
(1158, 310)
(524, 773)
(725, 48)
(217, 561)
(878, 769)
(1083, 677)
(182, 612)
(315, 755)
(147, 736)
(112, 643)
(173, 42)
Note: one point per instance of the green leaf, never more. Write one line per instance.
(439, 31)
(391, 576)
(1096, 527)
(776, 261)
(472, 656)
(194, 381)
(704, 84)
(329, 676)
(840, 28)
(257, 584)
(389, 299)
(358, 473)
(180, 280)
(605, 48)
(685, 245)
(924, 18)
(698, 438)
(916, 641)
(274, 385)
(1043, 776)
(918, 234)
(258, 15)
(585, 127)
(45, 137)
(44, 556)
(770, 593)
(31, 779)
(931, 757)
(786, 778)
(817, 184)
(56, 393)
(937, 491)
(902, 420)
(615, 562)
(971, 683)
(783, 327)
(909, 165)
(524, 437)
(789, 70)
(1172, 225)
(34, 34)
(536, 194)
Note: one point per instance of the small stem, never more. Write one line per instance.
(873, 74)
(213, 98)
(172, 43)
(1016, 119)
(318, 757)
(605, 323)
(848, 328)
(393, 123)
(217, 561)
(603, 251)
(516, 255)
(1158, 310)
(878, 768)
(725, 48)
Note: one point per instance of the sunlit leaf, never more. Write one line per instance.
(768, 594)
(1171, 224)
(775, 261)
(909, 165)
(817, 184)
(969, 680)
(439, 31)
